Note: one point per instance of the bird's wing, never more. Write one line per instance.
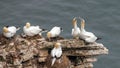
(91, 39)
(56, 31)
(53, 53)
(12, 29)
(56, 28)
(86, 35)
(34, 30)
(58, 53)
(90, 34)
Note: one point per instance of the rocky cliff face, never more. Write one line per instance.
(35, 53)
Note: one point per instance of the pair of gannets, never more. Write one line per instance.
(32, 30)
(88, 37)
(10, 31)
(56, 53)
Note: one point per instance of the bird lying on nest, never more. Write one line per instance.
(32, 30)
(10, 31)
(54, 34)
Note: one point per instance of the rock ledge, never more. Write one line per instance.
(32, 52)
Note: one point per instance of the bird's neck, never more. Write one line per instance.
(83, 30)
(75, 26)
(59, 48)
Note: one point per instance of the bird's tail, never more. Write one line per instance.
(53, 61)
(43, 31)
(99, 38)
(17, 28)
(61, 28)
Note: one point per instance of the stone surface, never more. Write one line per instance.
(34, 52)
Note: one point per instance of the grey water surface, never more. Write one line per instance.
(102, 18)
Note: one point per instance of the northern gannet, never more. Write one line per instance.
(32, 30)
(56, 53)
(10, 31)
(88, 37)
(54, 32)
(76, 30)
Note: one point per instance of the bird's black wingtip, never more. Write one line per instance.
(99, 38)
(61, 28)
(44, 29)
(7, 26)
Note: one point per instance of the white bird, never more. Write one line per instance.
(54, 32)
(32, 30)
(10, 31)
(76, 30)
(88, 37)
(56, 53)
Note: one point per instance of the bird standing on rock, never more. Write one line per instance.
(10, 31)
(32, 30)
(54, 33)
(76, 30)
(56, 53)
(88, 37)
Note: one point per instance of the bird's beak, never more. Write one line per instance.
(18, 28)
(27, 24)
(74, 21)
(5, 29)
